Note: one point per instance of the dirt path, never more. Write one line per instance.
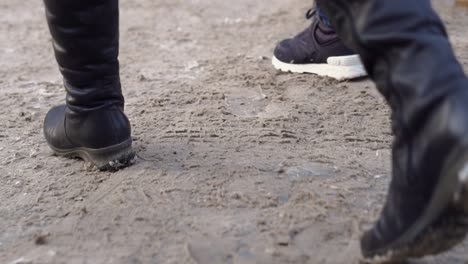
(238, 164)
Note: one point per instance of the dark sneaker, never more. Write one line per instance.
(426, 211)
(318, 50)
(100, 137)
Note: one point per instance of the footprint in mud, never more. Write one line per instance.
(328, 244)
(253, 103)
(214, 251)
(310, 169)
(246, 106)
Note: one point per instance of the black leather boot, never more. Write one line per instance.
(92, 124)
(405, 50)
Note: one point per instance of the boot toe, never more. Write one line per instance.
(369, 244)
(285, 52)
(54, 128)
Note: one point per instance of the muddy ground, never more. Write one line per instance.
(237, 163)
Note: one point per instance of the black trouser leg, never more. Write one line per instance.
(405, 49)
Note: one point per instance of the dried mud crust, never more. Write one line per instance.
(238, 163)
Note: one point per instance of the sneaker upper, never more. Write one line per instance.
(315, 44)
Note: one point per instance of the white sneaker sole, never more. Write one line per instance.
(340, 68)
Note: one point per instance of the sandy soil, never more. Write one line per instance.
(238, 163)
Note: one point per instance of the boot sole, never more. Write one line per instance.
(443, 225)
(106, 159)
(340, 68)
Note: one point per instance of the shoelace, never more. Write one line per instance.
(311, 13)
(316, 12)
(309, 30)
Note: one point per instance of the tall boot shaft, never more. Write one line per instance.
(86, 43)
(404, 47)
(92, 124)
